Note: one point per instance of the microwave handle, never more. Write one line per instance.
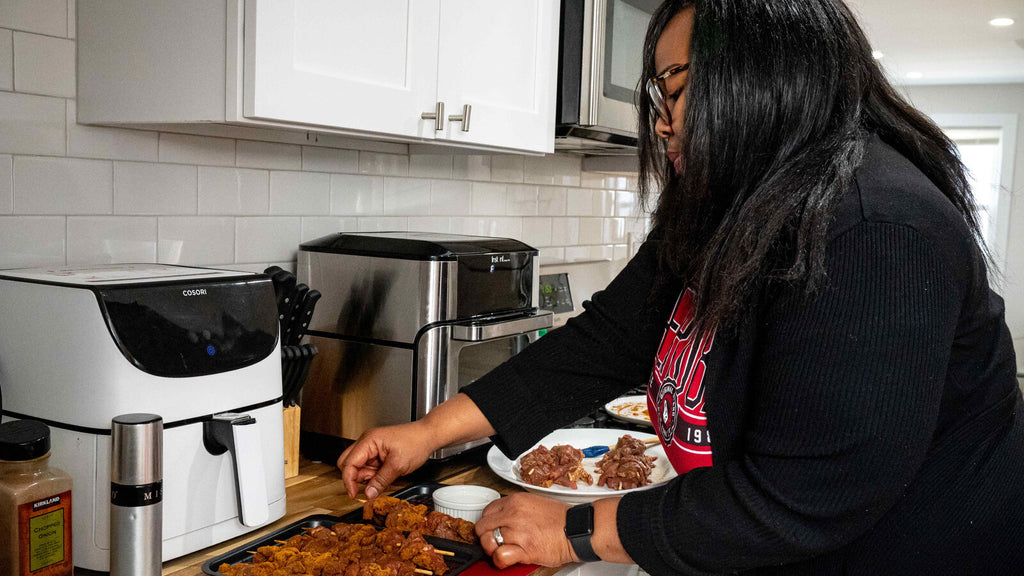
(480, 331)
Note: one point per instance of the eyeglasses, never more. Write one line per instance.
(656, 90)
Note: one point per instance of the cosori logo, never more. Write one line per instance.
(500, 258)
(194, 292)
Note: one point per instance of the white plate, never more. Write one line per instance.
(582, 438)
(625, 409)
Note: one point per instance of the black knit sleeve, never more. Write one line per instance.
(845, 396)
(573, 370)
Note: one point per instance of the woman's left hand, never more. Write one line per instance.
(531, 528)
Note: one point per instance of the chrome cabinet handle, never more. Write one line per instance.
(464, 117)
(437, 116)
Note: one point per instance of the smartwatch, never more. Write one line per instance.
(579, 527)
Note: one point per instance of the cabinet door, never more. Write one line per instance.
(342, 63)
(499, 57)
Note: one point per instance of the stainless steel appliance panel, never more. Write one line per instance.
(387, 299)
(355, 386)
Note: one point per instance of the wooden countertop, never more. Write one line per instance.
(318, 489)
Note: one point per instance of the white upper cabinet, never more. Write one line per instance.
(497, 58)
(375, 70)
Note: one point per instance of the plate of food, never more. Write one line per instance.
(632, 409)
(555, 466)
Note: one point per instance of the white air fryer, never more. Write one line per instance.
(197, 347)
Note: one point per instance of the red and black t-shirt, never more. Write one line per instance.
(675, 392)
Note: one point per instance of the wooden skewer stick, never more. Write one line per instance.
(422, 571)
(444, 552)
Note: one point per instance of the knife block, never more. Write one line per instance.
(291, 417)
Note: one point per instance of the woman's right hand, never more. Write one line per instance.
(383, 454)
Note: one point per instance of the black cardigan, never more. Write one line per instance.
(875, 428)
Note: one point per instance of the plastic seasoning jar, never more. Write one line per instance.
(35, 504)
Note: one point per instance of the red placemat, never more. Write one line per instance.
(485, 568)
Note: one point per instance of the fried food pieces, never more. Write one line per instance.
(344, 550)
(561, 465)
(403, 515)
(625, 466)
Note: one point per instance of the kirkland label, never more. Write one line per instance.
(44, 542)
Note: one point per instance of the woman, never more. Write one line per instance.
(828, 370)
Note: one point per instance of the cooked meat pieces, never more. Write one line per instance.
(403, 515)
(344, 550)
(562, 465)
(625, 466)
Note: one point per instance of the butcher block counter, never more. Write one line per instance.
(319, 489)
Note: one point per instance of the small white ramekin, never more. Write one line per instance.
(466, 502)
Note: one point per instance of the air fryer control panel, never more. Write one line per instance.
(192, 329)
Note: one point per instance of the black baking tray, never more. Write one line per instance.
(465, 554)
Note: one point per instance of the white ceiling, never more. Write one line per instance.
(948, 41)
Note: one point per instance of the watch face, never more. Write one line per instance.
(579, 520)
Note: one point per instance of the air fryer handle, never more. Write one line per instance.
(238, 434)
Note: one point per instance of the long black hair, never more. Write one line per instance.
(780, 98)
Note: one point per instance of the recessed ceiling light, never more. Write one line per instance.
(1001, 21)
(915, 75)
(877, 54)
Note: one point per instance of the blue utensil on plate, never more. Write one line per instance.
(592, 451)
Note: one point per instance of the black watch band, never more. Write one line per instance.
(579, 527)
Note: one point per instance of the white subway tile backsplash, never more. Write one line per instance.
(201, 150)
(577, 253)
(31, 124)
(197, 241)
(266, 239)
(383, 224)
(551, 201)
(6, 184)
(440, 224)
(6, 60)
(383, 164)
(111, 143)
(316, 159)
(610, 181)
(44, 65)
(579, 202)
(406, 196)
(234, 191)
(300, 193)
(537, 231)
(522, 200)
(270, 155)
(482, 226)
(40, 16)
(565, 231)
(507, 168)
(626, 204)
(550, 255)
(469, 167)
(557, 169)
(111, 239)
(451, 198)
(71, 19)
(430, 165)
(601, 253)
(357, 195)
(488, 199)
(591, 230)
(47, 185)
(159, 189)
(32, 241)
(613, 230)
(604, 203)
(314, 227)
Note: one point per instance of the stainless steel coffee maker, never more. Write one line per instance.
(407, 319)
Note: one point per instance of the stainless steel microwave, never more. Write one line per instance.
(599, 64)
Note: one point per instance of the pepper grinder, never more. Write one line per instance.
(136, 495)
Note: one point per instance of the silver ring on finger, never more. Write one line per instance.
(497, 537)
